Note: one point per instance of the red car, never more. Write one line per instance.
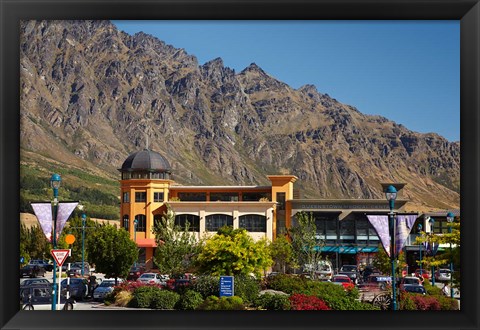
(135, 273)
(343, 280)
(424, 273)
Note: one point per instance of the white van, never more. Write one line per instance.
(323, 270)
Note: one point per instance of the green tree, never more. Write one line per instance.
(176, 247)
(382, 262)
(74, 227)
(234, 252)
(307, 247)
(112, 251)
(282, 254)
(443, 259)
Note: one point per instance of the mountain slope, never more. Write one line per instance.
(91, 94)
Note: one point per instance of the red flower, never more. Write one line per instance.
(301, 302)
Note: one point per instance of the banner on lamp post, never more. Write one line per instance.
(43, 212)
(64, 212)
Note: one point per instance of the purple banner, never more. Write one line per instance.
(380, 223)
(64, 211)
(43, 211)
(404, 226)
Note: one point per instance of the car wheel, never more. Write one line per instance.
(68, 306)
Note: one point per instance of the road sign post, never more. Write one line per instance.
(227, 286)
(60, 256)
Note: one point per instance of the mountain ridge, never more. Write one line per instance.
(92, 94)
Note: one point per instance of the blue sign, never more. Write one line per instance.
(226, 286)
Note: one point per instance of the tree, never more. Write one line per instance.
(74, 227)
(307, 247)
(234, 252)
(282, 254)
(442, 259)
(112, 251)
(176, 247)
(383, 263)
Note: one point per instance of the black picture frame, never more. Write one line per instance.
(12, 11)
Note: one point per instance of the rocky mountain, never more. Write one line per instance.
(91, 95)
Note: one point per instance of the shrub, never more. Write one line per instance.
(406, 302)
(426, 302)
(190, 300)
(164, 299)
(207, 285)
(447, 303)
(246, 287)
(123, 298)
(143, 296)
(287, 283)
(270, 301)
(301, 302)
(223, 303)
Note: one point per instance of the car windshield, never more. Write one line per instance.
(340, 279)
(348, 268)
(147, 276)
(107, 284)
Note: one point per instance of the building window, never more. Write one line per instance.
(158, 197)
(193, 222)
(141, 222)
(254, 223)
(347, 231)
(281, 201)
(440, 226)
(125, 222)
(126, 197)
(140, 196)
(126, 176)
(255, 196)
(192, 197)
(217, 221)
(224, 197)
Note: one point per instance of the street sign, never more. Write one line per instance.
(60, 255)
(226, 286)
(69, 239)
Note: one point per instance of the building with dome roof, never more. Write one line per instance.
(264, 211)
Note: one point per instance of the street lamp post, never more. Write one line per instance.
(450, 218)
(419, 227)
(55, 181)
(432, 222)
(135, 222)
(391, 195)
(84, 221)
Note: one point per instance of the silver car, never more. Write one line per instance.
(105, 288)
(443, 274)
(150, 278)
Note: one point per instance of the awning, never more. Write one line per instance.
(349, 249)
(146, 242)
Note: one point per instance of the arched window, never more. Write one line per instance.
(142, 222)
(217, 221)
(253, 222)
(193, 222)
(125, 222)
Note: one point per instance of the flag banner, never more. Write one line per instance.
(404, 227)
(43, 212)
(432, 248)
(64, 211)
(380, 223)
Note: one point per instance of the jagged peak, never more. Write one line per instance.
(253, 67)
(308, 88)
(216, 62)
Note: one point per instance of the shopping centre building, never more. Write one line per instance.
(264, 211)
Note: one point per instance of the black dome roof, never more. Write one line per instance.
(146, 160)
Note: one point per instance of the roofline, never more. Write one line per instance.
(218, 187)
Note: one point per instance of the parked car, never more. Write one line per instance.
(135, 273)
(44, 263)
(443, 274)
(351, 271)
(414, 288)
(426, 274)
(412, 280)
(105, 288)
(35, 281)
(343, 280)
(322, 271)
(32, 271)
(78, 287)
(76, 269)
(39, 297)
(150, 278)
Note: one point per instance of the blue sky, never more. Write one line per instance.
(407, 71)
